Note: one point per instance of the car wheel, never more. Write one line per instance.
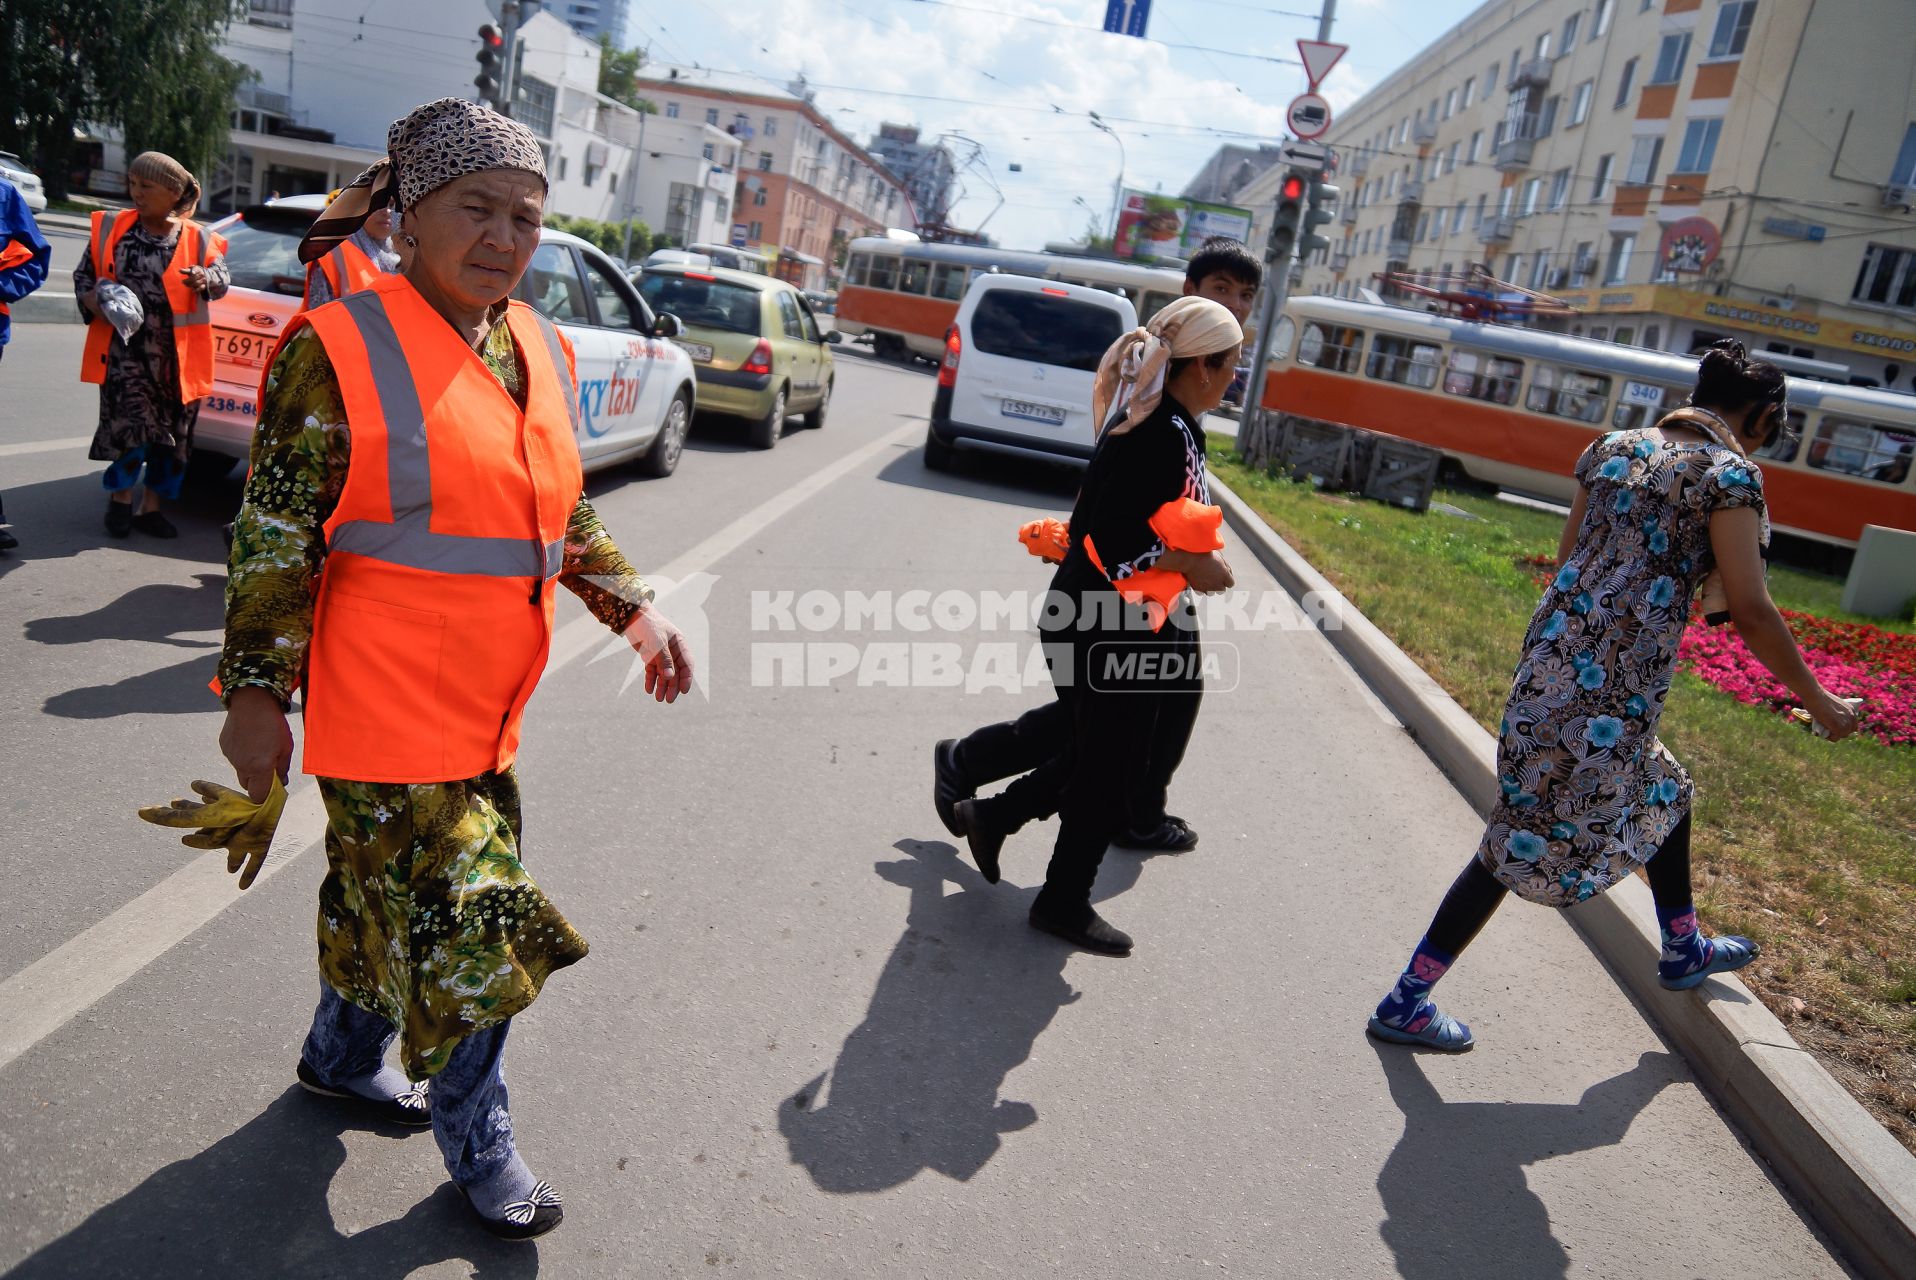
(662, 459)
(816, 418)
(938, 452)
(766, 431)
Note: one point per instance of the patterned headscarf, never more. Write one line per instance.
(425, 150)
(1131, 374)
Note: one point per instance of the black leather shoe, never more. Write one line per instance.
(1173, 835)
(984, 843)
(7, 541)
(413, 1108)
(525, 1219)
(155, 525)
(1088, 931)
(119, 518)
(949, 785)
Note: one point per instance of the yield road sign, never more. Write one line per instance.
(1319, 57)
(1309, 116)
(1126, 17)
(1304, 155)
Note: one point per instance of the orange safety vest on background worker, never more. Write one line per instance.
(434, 615)
(12, 254)
(192, 323)
(348, 269)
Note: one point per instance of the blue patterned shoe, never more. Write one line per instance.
(1430, 1028)
(1726, 953)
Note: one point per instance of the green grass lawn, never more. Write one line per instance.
(1807, 846)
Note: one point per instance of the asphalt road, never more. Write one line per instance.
(809, 1040)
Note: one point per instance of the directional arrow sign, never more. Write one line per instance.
(1319, 58)
(1127, 17)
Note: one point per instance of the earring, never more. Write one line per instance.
(412, 242)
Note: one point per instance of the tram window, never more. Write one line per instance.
(1483, 377)
(1281, 338)
(1403, 360)
(1641, 403)
(1784, 447)
(1568, 393)
(884, 273)
(855, 269)
(1625, 336)
(1336, 348)
(948, 281)
(915, 278)
(1862, 449)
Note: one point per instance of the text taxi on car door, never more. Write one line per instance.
(760, 352)
(637, 391)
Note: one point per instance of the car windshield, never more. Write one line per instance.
(703, 304)
(1041, 328)
(263, 253)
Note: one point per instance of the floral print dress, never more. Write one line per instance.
(1588, 793)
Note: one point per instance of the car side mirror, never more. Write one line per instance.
(667, 326)
(833, 338)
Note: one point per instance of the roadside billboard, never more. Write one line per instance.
(1157, 226)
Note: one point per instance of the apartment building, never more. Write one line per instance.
(1678, 170)
(926, 169)
(804, 188)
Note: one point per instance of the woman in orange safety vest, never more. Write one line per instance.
(337, 267)
(151, 383)
(415, 503)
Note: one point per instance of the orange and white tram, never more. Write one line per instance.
(1516, 407)
(905, 294)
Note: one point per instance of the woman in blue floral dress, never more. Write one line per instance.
(1589, 794)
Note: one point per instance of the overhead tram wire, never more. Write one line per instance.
(1079, 26)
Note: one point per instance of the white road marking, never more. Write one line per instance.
(50, 992)
(44, 446)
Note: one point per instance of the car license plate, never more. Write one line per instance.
(698, 351)
(248, 349)
(1034, 412)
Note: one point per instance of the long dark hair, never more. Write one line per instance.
(1728, 379)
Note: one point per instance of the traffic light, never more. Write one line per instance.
(1323, 208)
(491, 56)
(1287, 219)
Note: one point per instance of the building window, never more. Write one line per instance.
(764, 162)
(1732, 28)
(1477, 218)
(1470, 90)
(1699, 146)
(1644, 155)
(1904, 174)
(1671, 55)
(1547, 122)
(1653, 337)
(1540, 271)
(1476, 147)
(1423, 227)
(758, 231)
(758, 198)
(1450, 157)
(706, 151)
(1887, 277)
(534, 99)
(1543, 45)
(562, 168)
(1570, 32)
(1490, 80)
(1580, 103)
(1585, 261)
(1560, 189)
(1625, 82)
(1602, 22)
(671, 111)
(1532, 193)
(1617, 269)
(1457, 219)
(1603, 176)
(711, 115)
(771, 126)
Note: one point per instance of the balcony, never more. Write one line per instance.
(1497, 230)
(1413, 192)
(1423, 132)
(1514, 154)
(1534, 74)
(1340, 262)
(1357, 164)
(1398, 249)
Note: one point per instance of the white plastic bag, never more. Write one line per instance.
(121, 308)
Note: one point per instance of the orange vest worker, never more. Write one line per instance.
(434, 615)
(348, 269)
(192, 324)
(12, 254)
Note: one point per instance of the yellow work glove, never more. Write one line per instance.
(227, 820)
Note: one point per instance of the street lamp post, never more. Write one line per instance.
(1117, 193)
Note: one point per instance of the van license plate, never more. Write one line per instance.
(1034, 412)
(698, 351)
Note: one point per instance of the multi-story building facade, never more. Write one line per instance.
(589, 18)
(1229, 173)
(804, 188)
(1678, 170)
(925, 169)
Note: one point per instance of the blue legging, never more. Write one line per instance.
(165, 473)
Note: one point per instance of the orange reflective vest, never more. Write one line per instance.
(347, 269)
(1182, 524)
(192, 324)
(12, 254)
(434, 615)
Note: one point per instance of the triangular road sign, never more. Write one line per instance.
(1319, 58)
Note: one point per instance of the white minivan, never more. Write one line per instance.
(1020, 360)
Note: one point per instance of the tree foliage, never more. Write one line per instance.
(619, 74)
(610, 236)
(149, 68)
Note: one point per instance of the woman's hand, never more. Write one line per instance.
(195, 277)
(1210, 574)
(90, 299)
(1837, 717)
(668, 666)
(256, 740)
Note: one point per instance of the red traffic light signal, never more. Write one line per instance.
(489, 37)
(1293, 187)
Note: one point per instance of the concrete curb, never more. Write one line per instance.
(1857, 1181)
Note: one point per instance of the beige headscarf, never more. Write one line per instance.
(162, 169)
(1131, 374)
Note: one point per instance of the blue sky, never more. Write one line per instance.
(972, 68)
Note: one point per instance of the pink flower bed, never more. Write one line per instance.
(1853, 660)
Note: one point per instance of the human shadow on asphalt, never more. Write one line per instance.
(967, 991)
(55, 519)
(158, 612)
(1026, 483)
(1454, 1188)
(255, 1204)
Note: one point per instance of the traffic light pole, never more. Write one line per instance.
(509, 68)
